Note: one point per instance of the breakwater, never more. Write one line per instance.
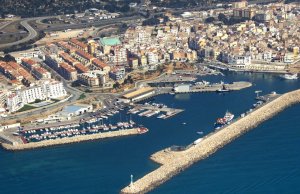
(173, 162)
(68, 140)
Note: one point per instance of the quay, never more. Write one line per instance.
(173, 162)
(203, 87)
(68, 140)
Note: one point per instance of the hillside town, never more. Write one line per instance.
(266, 40)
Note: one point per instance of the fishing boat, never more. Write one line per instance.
(228, 117)
(289, 76)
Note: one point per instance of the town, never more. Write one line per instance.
(72, 70)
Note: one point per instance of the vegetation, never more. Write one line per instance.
(116, 85)
(128, 80)
(225, 20)
(82, 96)
(36, 101)
(33, 8)
(26, 107)
(7, 58)
(27, 45)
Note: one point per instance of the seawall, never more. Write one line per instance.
(68, 140)
(173, 162)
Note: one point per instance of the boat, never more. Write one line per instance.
(289, 76)
(142, 130)
(161, 116)
(200, 132)
(228, 117)
(223, 89)
(184, 123)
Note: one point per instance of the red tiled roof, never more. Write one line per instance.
(99, 63)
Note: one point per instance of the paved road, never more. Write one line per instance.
(31, 31)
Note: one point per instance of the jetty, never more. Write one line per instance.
(173, 162)
(205, 87)
(67, 140)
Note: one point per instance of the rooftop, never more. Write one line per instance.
(110, 41)
(138, 92)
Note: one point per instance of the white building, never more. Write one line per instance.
(54, 89)
(120, 56)
(239, 61)
(288, 58)
(29, 95)
(3, 97)
(182, 88)
(14, 102)
(152, 58)
(46, 90)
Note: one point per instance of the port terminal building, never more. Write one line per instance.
(139, 94)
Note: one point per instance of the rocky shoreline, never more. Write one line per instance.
(173, 162)
(68, 140)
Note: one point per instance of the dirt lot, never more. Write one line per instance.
(62, 36)
(7, 38)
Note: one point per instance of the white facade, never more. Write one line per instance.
(152, 58)
(239, 61)
(47, 89)
(288, 58)
(3, 97)
(182, 88)
(54, 89)
(31, 94)
(14, 102)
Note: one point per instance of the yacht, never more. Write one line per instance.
(289, 76)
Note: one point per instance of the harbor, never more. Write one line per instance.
(174, 162)
(97, 126)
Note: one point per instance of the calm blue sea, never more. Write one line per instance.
(265, 160)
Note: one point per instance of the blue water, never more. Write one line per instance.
(265, 160)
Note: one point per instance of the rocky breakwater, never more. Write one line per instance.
(67, 140)
(173, 162)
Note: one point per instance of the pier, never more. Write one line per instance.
(68, 140)
(173, 162)
(204, 87)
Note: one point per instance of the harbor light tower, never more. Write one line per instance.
(131, 180)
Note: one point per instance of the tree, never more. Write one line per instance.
(116, 85)
(8, 58)
(222, 18)
(210, 20)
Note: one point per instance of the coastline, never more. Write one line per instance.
(69, 140)
(173, 162)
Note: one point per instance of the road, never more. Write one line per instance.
(96, 23)
(32, 33)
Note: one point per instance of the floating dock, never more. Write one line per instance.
(173, 162)
(153, 110)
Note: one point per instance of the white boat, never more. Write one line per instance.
(200, 132)
(161, 116)
(290, 76)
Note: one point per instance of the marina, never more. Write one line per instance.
(161, 111)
